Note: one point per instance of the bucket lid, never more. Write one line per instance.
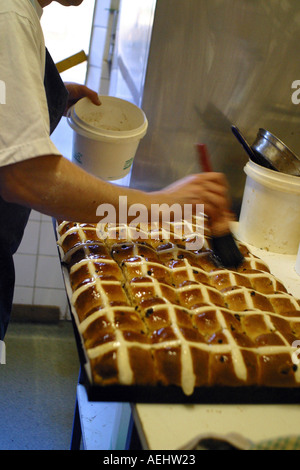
(114, 120)
(273, 179)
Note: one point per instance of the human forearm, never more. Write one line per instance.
(56, 187)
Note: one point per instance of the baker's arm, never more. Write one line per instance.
(53, 185)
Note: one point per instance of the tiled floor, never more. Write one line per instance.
(38, 387)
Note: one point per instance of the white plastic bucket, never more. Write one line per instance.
(270, 212)
(106, 137)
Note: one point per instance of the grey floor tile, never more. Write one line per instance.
(38, 387)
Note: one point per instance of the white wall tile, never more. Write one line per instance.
(48, 273)
(66, 315)
(29, 244)
(52, 297)
(25, 266)
(35, 215)
(46, 218)
(47, 244)
(23, 295)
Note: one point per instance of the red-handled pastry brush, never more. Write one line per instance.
(223, 243)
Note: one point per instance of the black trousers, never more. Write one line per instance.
(13, 220)
(7, 282)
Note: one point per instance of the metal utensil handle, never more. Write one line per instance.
(242, 140)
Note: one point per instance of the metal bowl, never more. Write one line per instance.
(276, 153)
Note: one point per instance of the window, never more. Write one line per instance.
(67, 31)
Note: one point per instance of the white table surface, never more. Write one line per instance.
(170, 427)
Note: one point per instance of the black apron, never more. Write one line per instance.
(13, 217)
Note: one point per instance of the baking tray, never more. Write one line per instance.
(174, 395)
(170, 394)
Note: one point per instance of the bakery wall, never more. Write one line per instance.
(38, 273)
(214, 63)
(39, 290)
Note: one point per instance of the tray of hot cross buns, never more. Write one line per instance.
(158, 318)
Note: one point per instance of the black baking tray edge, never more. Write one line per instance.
(204, 395)
(174, 395)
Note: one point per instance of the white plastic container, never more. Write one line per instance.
(270, 212)
(106, 137)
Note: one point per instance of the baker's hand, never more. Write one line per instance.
(77, 91)
(210, 189)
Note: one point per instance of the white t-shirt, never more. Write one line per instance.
(24, 117)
